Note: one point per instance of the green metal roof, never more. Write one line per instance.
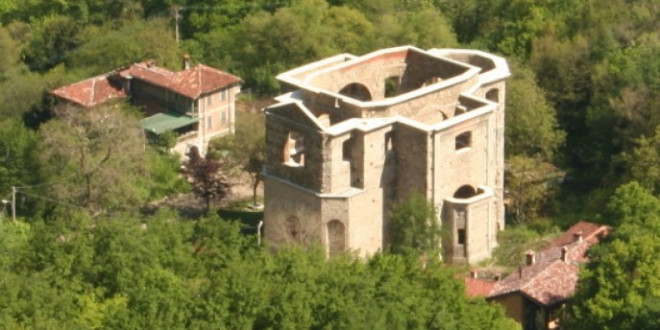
(166, 121)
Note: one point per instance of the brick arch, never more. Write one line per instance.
(357, 91)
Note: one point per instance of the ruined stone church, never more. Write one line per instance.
(354, 134)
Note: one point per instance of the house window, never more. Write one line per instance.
(209, 99)
(209, 122)
(463, 140)
(224, 116)
(461, 236)
(223, 94)
(294, 150)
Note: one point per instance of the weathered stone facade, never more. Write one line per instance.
(355, 134)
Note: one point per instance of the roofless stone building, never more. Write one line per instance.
(353, 134)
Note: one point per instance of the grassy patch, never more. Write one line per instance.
(515, 241)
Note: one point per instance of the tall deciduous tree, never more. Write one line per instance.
(413, 227)
(529, 182)
(244, 151)
(619, 287)
(531, 122)
(97, 154)
(206, 178)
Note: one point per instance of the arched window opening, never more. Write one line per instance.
(493, 95)
(336, 238)
(463, 140)
(356, 91)
(294, 150)
(465, 191)
(392, 86)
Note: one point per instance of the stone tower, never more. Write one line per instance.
(353, 134)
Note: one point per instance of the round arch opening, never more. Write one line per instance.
(465, 191)
(357, 91)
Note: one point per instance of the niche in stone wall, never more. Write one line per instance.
(336, 238)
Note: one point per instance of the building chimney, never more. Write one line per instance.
(530, 258)
(577, 237)
(498, 277)
(473, 273)
(186, 62)
(564, 254)
(520, 271)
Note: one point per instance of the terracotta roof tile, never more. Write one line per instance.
(91, 92)
(475, 287)
(192, 82)
(588, 230)
(550, 279)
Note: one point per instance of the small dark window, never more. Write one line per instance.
(464, 140)
(461, 236)
(391, 86)
(389, 142)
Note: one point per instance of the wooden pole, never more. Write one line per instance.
(13, 203)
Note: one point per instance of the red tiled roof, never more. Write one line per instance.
(475, 287)
(191, 82)
(550, 279)
(588, 230)
(90, 92)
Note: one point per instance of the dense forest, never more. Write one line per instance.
(582, 143)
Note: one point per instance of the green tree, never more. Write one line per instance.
(206, 177)
(531, 124)
(244, 151)
(19, 156)
(98, 154)
(619, 287)
(107, 47)
(413, 227)
(529, 182)
(641, 163)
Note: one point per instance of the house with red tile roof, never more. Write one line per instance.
(534, 294)
(197, 103)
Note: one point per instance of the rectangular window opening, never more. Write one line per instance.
(294, 150)
(464, 140)
(461, 236)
